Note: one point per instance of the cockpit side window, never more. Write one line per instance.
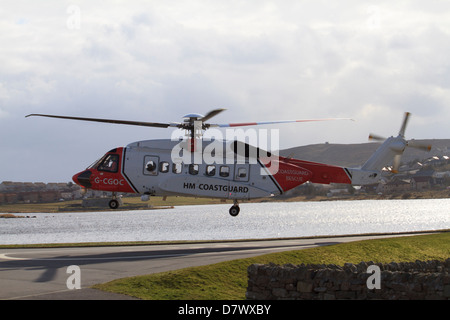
(110, 163)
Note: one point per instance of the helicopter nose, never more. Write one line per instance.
(83, 179)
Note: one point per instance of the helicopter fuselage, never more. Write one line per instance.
(223, 170)
(152, 167)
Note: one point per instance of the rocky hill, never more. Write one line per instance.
(354, 155)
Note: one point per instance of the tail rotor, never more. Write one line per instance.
(393, 147)
(401, 133)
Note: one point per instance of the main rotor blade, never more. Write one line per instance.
(133, 123)
(243, 124)
(211, 114)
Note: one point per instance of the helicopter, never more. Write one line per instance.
(222, 169)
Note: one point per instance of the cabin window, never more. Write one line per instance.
(193, 169)
(210, 170)
(177, 167)
(150, 166)
(110, 163)
(242, 173)
(164, 167)
(224, 171)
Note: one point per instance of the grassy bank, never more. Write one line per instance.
(228, 280)
(129, 203)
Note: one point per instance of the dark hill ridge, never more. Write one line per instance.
(354, 155)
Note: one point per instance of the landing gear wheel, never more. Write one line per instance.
(114, 204)
(234, 211)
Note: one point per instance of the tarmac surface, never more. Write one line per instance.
(44, 273)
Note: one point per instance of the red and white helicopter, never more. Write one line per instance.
(232, 170)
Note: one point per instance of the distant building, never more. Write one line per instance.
(396, 185)
(421, 183)
(29, 192)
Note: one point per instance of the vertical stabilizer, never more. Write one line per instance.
(389, 151)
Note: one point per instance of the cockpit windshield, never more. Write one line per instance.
(108, 163)
(95, 164)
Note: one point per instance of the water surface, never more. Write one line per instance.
(212, 222)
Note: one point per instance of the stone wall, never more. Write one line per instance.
(406, 280)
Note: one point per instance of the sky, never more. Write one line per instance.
(261, 60)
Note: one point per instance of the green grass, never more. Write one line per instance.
(228, 280)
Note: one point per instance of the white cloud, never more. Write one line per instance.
(159, 60)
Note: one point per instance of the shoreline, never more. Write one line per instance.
(135, 203)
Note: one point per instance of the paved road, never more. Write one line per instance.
(42, 273)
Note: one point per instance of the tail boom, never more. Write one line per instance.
(324, 173)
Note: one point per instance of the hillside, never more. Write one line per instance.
(354, 155)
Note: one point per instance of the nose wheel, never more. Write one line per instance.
(114, 203)
(234, 210)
